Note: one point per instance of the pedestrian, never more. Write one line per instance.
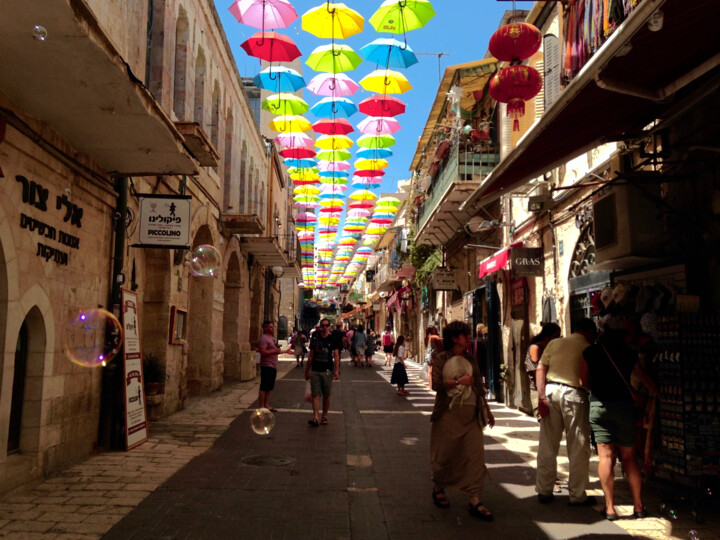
(348, 337)
(388, 345)
(323, 366)
(538, 343)
(433, 347)
(359, 345)
(269, 351)
(606, 369)
(563, 407)
(339, 336)
(370, 349)
(457, 448)
(399, 373)
(297, 342)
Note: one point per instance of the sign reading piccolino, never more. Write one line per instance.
(164, 221)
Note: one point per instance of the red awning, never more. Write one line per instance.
(496, 262)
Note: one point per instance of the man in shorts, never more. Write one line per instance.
(269, 352)
(322, 367)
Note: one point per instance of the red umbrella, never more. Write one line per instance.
(361, 204)
(382, 105)
(369, 173)
(271, 47)
(338, 126)
(297, 153)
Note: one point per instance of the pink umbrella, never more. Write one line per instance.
(333, 165)
(359, 213)
(294, 139)
(328, 84)
(305, 217)
(264, 13)
(363, 181)
(379, 125)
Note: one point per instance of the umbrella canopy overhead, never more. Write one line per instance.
(333, 58)
(334, 155)
(299, 152)
(332, 21)
(371, 164)
(333, 165)
(379, 125)
(285, 103)
(400, 16)
(334, 142)
(338, 126)
(385, 81)
(390, 53)
(279, 79)
(382, 105)
(289, 122)
(374, 153)
(264, 13)
(332, 106)
(376, 141)
(271, 47)
(295, 138)
(329, 84)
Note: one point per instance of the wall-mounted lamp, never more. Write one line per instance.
(277, 271)
(478, 224)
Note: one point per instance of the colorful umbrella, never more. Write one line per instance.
(290, 122)
(389, 201)
(328, 84)
(374, 141)
(305, 217)
(389, 53)
(299, 163)
(334, 155)
(358, 213)
(334, 142)
(371, 164)
(369, 173)
(363, 195)
(381, 105)
(333, 58)
(374, 153)
(306, 190)
(338, 126)
(333, 165)
(378, 125)
(331, 20)
(299, 152)
(385, 81)
(294, 139)
(284, 103)
(279, 79)
(263, 13)
(271, 47)
(400, 16)
(330, 106)
(330, 190)
(332, 202)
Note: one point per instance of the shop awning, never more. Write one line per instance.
(637, 76)
(78, 83)
(350, 314)
(496, 262)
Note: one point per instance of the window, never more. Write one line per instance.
(178, 327)
(199, 109)
(180, 73)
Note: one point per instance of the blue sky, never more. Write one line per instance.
(461, 29)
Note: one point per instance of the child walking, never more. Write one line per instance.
(399, 374)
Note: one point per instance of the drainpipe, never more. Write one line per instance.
(112, 408)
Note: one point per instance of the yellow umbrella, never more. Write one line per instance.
(306, 190)
(331, 20)
(371, 164)
(290, 122)
(334, 142)
(363, 195)
(385, 81)
(332, 202)
(305, 176)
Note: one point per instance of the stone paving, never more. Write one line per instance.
(186, 479)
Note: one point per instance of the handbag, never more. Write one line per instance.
(636, 396)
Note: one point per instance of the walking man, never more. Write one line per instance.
(269, 352)
(323, 366)
(564, 406)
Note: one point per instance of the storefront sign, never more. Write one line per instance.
(135, 417)
(443, 279)
(164, 221)
(527, 262)
(518, 288)
(376, 306)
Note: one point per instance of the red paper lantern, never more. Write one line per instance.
(516, 41)
(515, 85)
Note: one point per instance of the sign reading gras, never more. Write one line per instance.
(443, 279)
(164, 221)
(527, 262)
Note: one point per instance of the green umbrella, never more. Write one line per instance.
(400, 16)
(334, 155)
(376, 141)
(284, 103)
(333, 58)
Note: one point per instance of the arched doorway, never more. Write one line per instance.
(231, 318)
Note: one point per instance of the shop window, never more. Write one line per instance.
(178, 325)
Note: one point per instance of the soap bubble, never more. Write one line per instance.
(93, 338)
(205, 261)
(467, 129)
(672, 514)
(693, 535)
(262, 421)
(39, 32)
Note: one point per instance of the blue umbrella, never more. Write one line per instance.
(389, 53)
(334, 174)
(279, 79)
(300, 163)
(366, 186)
(329, 107)
(374, 153)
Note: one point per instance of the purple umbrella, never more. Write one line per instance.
(329, 84)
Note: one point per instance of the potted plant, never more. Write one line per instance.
(154, 374)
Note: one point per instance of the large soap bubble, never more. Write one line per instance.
(205, 261)
(92, 338)
(262, 421)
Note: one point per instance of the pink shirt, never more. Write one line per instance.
(270, 360)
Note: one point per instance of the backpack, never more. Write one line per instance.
(387, 339)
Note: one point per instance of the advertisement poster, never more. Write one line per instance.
(164, 221)
(135, 416)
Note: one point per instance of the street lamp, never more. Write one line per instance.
(277, 271)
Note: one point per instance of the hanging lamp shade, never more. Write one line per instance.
(516, 41)
(515, 85)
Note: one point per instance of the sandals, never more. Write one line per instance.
(323, 421)
(440, 499)
(609, 517)
(641, 514)
(479, 511)
(313, 422)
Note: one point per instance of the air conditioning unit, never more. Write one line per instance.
(627, 223)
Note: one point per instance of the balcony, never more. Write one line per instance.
(459, 175)
(291, 248)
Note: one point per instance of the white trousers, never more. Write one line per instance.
(569, 412)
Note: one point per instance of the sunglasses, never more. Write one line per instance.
(324, 325)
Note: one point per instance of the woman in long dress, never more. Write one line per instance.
(457, 450)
